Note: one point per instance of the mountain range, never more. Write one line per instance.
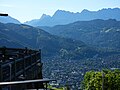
(81, 39)
(20, 36)
(62, 17)
(98, 33)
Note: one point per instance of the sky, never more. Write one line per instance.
(26, 10)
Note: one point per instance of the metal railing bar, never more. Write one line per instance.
(26, 81)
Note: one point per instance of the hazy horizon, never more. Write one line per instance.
(27, 10)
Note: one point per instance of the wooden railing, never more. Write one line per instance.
(17, 64)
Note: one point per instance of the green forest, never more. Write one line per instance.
(102, 80)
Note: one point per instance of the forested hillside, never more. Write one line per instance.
(99, 33)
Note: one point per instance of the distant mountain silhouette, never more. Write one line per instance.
(8, 19)
(62, 17)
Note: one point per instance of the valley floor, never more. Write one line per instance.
(71, 72)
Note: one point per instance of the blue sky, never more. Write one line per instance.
(25, 10)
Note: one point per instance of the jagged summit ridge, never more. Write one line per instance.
(62, 17)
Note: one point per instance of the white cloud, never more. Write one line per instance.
(6, 5)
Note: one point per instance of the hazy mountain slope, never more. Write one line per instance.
(52, 46)
(62, 17)
(37, 39)
(7, 41)
(102, 33)
(8, 19)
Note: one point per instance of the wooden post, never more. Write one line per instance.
(36, 65)
(4, 53)
(1, 76)
(14, 69)
(35, 56)
(26, 51)
(40, 55)
(24, 64)
(10, 66)
(31, 60)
